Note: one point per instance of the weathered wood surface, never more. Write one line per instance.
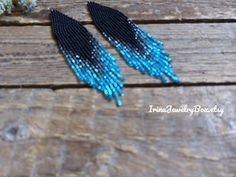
(75, 132)
(201, 53)
(139, 10)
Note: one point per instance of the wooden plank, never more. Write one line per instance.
(75, 132)
(139, 10)
(201, 53)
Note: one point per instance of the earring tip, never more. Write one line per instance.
(50, 9)
(91, 3)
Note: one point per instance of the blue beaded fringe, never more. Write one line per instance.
(107, 81)
(138, 48)
(88, 59)
(155, 61)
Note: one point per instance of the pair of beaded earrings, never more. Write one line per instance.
(90, 61)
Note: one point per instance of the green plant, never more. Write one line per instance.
(6, 6)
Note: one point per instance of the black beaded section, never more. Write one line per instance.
(114, 24)
(72, 37)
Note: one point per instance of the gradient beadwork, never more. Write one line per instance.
(138, 48)
(87, 58)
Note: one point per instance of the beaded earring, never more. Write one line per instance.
(90, 62)
(138, 48)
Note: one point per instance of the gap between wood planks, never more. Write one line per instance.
(139, 22)
(148, 85)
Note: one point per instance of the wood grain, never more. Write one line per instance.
(139, 10)
(202, 53)
(71, 132)
(75, 132)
